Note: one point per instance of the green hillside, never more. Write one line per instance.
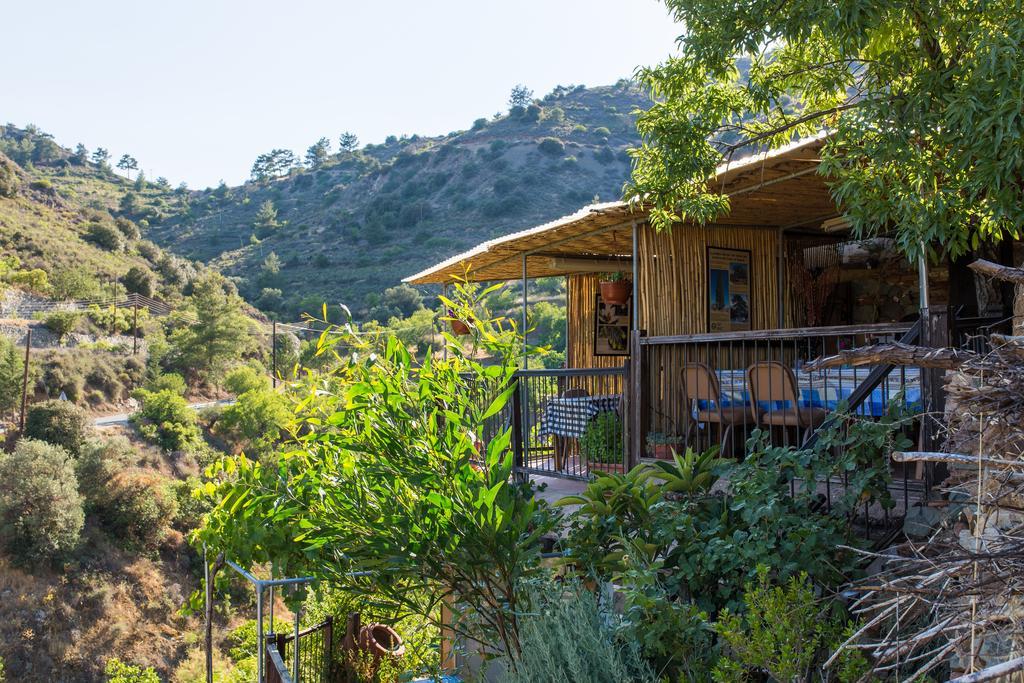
(80, 223)
(358, 222)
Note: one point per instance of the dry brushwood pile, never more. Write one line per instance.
(957, 599)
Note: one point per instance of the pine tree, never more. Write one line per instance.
(318, 153)
(266, 219)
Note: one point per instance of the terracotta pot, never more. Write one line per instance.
(618, 468)
(381, 641)
(662, 451)
(616, 292)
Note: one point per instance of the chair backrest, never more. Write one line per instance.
(575, 393)
(772, 382)
(700, 383)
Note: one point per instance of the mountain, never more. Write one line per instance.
(360, 221)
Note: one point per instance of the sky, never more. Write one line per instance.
(195, 89)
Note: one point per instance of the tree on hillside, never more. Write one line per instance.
(266, 219)
(127, 163)
(318, 153)
(221, 336)
(920, 97)
(129, 205)
(404, 297)
(81, 155)
(521, 96)
(348, 142)
(101, 158)
(11, 368)
(139, 280)
(272, 164)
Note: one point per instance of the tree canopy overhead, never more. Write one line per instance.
(922, 97)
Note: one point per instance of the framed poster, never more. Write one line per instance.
(612, 323)
(729, 294)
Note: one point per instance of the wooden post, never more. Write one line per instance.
(447, 639)
(210, 576)
(517, 429)
(328, 654)
(24, 379)
(636, 397)
(135, 328)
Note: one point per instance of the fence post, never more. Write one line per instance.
(329, 646)
(517, 427)
(24, 379)
(636, 396)
(135, 328)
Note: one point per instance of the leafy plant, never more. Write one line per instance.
(569, 636)
(602, 439)
(689, 473)
(785, 631)
(62, 323)
(120, 672)
(393, 441)
(166, 419)
(32, 532)
(61, 423)
(139, 506)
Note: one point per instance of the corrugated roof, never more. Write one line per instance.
(605, 230)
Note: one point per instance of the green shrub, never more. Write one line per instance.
(104, 235)
(246, 378)
(40, 509)
(60, 423)
(119, 672)
(166, 419)
(101, 460)
(62, 323)
(168, 381)
(139, 281)
(551, 146)
(139, 505)
(128, 228)
(479, 124)
(191, 507)
(256, 418)
(602, 439)
(569, 634)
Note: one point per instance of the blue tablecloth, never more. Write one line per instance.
(829, 388)
(569, 417)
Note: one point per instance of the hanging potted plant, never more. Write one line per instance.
(616, 288)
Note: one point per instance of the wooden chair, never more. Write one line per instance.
(772, 382)
(563, 444)
(700, 384)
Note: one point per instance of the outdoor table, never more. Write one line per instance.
(828, 389)
(569, 417)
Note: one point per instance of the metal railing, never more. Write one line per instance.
(571, 422)
(700, 391)
(314, 660)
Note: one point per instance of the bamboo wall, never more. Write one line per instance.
(673, 280)
(580, 310)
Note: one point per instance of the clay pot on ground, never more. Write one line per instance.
(616, 292)
(381, 641)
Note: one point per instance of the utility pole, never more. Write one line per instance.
(24, 380)
(135, 327)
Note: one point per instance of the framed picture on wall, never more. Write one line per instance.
(612, 323)
(729, 290)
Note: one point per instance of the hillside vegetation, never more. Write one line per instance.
(346, 226)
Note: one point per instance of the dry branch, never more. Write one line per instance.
(954, 458)
(895, 353)
(999, 272)
(993, 672)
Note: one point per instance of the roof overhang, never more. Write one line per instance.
(780, 188)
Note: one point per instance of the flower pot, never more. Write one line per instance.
(381, 641)
(662, 451)
(616, 292)
(616, 467)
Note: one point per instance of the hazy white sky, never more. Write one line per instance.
(195, 89)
